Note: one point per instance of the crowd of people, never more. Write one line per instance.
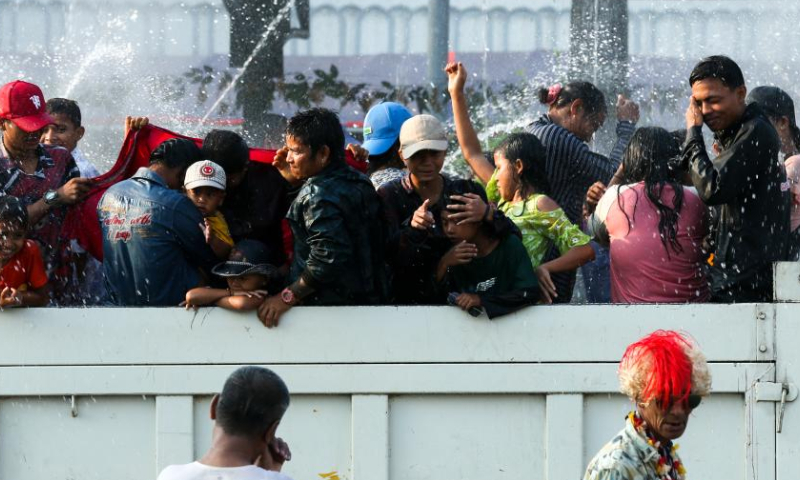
(665, 218)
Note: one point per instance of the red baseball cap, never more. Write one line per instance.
(23, 103)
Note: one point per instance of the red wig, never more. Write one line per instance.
(667, 368)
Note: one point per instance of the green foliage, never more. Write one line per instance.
(303, 91)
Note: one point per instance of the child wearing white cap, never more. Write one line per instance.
(205, 187)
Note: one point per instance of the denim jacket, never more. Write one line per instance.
(338, 238)
(153, 245)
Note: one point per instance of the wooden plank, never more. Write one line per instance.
(549, 334)
(370, 437)
(174, 430)
(564, 436)
(346, 379)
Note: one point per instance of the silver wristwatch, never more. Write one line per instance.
(51, 197)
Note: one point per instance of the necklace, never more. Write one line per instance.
(668, 465)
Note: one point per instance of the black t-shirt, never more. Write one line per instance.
(256, 208)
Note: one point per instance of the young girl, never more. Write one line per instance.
(485, 269)
(521, 189)
(655, 226)
(248, 274)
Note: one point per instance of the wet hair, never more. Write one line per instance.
(485, 228)
(720, 67)
(66, 107)
(594, 102)
(650, 158)
(528, 149)
(776, 104)
(252, 399)
(390, 158)
(227, 149)
(13, 211)
(316, 128)
(176, 153)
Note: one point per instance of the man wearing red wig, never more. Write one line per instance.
(665, 375)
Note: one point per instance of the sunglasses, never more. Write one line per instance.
(691, 402)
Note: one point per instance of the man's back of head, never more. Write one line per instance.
(252, 400)
(244, 447)
(227, 149)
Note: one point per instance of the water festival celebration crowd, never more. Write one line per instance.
(666, 217)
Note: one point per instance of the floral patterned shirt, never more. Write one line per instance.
(539, 229)
(630, 455)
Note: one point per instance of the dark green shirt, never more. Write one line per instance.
(506, 269)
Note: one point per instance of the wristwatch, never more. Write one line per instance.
(51, 197)
(288, 297)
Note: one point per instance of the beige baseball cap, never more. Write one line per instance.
(205, 174)
(422, 132)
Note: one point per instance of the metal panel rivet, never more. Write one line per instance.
(762, 316)
(762, 348)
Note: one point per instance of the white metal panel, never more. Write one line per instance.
(567, 333)
(467, 437)
(174, 430)
(111, 438)
(345, 379)
(370, 420)
(564, 436)
(788, 371)
(447, 396)
(787, 281)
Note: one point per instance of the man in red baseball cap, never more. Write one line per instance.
(45, 178)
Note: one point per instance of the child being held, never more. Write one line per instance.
(484, 270)
(205, 186)
(248, 274)
(23, 280)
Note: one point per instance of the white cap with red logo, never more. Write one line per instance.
(205, 174)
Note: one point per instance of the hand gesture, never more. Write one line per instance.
(280, 163)
(694, 114)
(423, 219)
(205, 227)
(456, 77)
(274, 456)
(9, 298)
(261, 294)
(360, 153)
(135, 123)
(468, 300)
(546, 284)
(472, 208)
(627, 109)
(593, 196)
(461, 254)
(271, 309)
(74, 190)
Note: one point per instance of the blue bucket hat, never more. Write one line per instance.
(382, 126)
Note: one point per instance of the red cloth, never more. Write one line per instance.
(25, 270)
(81, 222)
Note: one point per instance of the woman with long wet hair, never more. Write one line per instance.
(655, 226)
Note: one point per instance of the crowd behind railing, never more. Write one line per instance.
(662, 219)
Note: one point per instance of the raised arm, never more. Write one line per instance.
(467, 138)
